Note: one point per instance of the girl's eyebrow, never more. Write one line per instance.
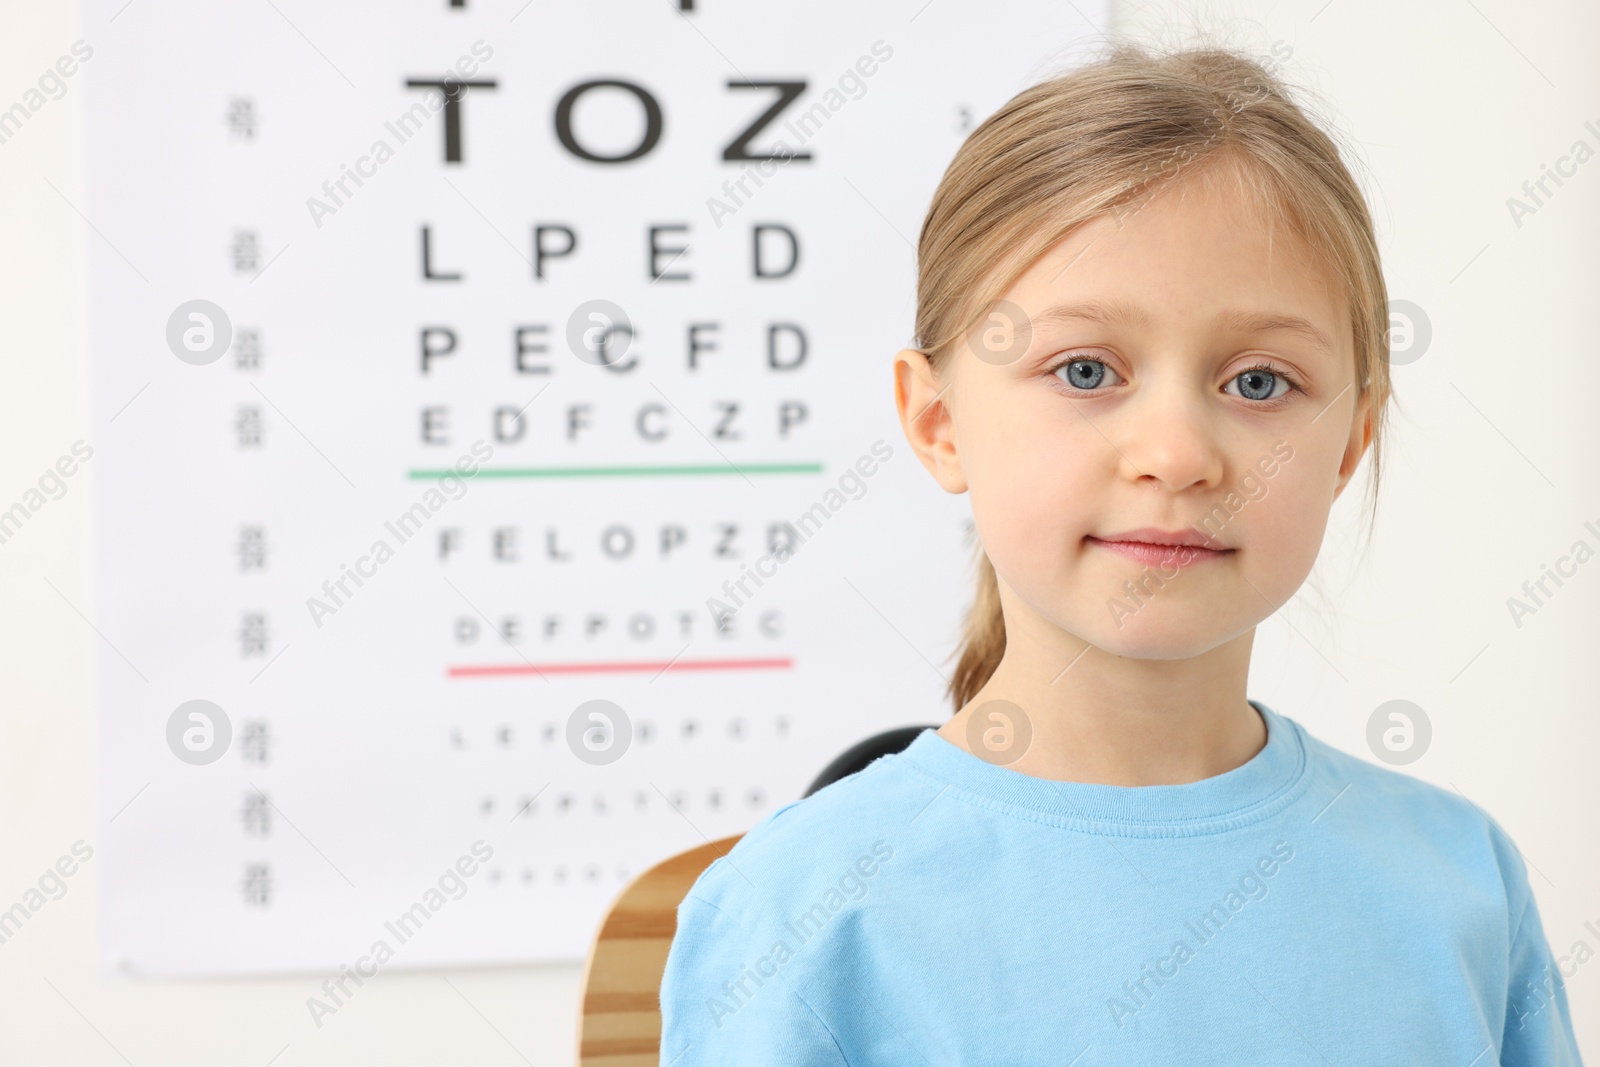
(1252, 322)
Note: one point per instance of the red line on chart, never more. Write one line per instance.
(490, 670)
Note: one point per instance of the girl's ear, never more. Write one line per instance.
(925, 418)
(1360, 439)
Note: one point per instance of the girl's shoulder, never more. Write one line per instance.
(1391, 809)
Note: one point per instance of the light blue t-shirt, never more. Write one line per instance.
(1307, 907)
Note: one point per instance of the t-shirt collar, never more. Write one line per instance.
(1262, 785)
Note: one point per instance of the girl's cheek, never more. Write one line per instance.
(1026, 502)
(1289, 521)
(1045, 488)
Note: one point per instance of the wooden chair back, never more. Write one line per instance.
(619, 1024)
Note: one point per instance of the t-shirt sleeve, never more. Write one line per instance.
(1538, 1029)
(724, 1000)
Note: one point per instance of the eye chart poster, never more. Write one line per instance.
(499, 488)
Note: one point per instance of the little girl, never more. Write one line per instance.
(1152, 348)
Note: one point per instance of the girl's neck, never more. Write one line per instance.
(1111, 720)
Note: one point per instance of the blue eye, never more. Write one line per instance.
(1085, 374)
(1259, 383)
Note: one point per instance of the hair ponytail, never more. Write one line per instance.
(983, 641)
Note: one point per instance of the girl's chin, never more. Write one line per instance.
(1168, 638)
(1152, 650)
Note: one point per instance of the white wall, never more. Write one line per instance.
(1451, 106)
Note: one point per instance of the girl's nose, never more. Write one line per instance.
(1169, 436)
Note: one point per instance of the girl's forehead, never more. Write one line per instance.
(1199, 218)
(1194, 244)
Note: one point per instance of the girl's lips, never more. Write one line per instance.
(1162, 555)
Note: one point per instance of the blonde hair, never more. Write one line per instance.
(1096, 142)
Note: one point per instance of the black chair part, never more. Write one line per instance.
(857, 756)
